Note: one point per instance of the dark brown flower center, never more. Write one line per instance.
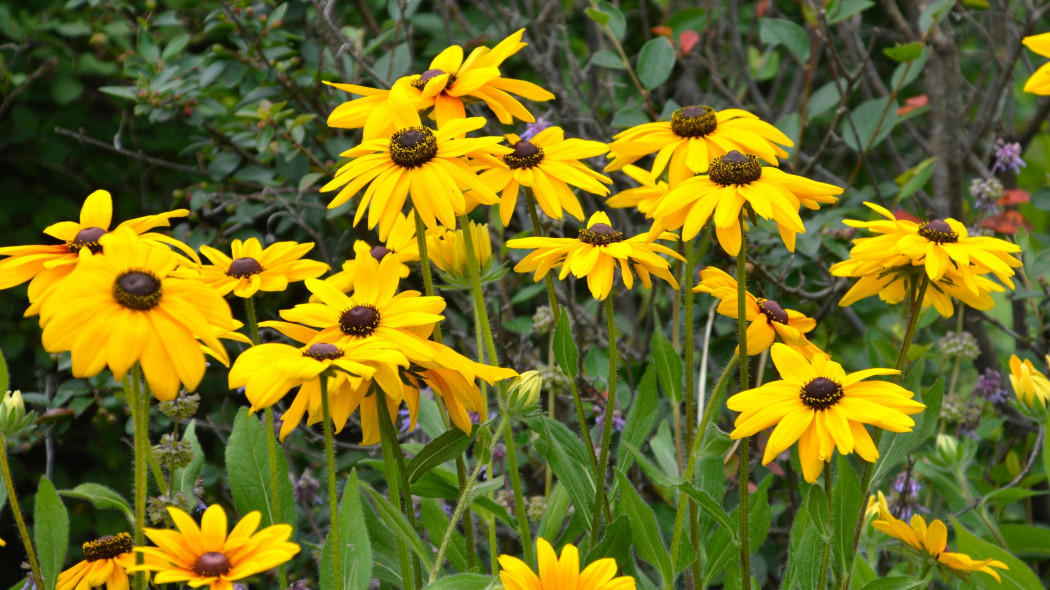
(378, 252)
(107, 547)
(600, 234)
(938, 231)
(421, 82)
(821, 393)
(212, 564)
(773, 311)
(87, 237)
(735, 168)
(323, 351)
(359, 320)
(137, 289)
(525, 155)
(242, 268)
(413, 146)
(694, 121)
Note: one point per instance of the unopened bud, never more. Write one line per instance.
(525, 391)
(14, 407)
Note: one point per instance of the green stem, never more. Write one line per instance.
(20, 521)
(689, 391)
(827, 542)
(610, 403)
(271, 436)
(392, 448)
(333, 495)
(537, 230)
(138, 401)
(519, 502)
(424, 267)
(745, 444)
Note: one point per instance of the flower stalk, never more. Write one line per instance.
(741, 322)
(20, 521)
(827, 542)
(397, 473)
(333, 495)
(610, 401)
(138, 402)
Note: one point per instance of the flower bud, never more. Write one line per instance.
(525, 391)
(12, 410)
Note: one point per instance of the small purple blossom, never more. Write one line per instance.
(1007, 157)
(618, 421)
(474, 417)
(500, 452)
(531, 129)
(986, 194)
(903, 480)
(990, 387)
(406, 419)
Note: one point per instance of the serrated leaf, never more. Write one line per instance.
(443, 448)
(565, 347)
(655, 62)
(647, 540)
(650, 469)
(248, 469)
(806, 541)
(777, 31)
(100, 497)
(50, 532)
(356, 556)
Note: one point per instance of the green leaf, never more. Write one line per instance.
(915, 178)
(175, 46)
(643, 522)
(607, 59)
(906, 52)
(655, 62)
(896, 583)
(628, 117)
(847, 9)
(933, 13)
(436, 522)
(650, 469)
(907, 72)
(846, 503)
(50, 532)
(576, 475)
(461, 582)
(616, 543)
(894, 446)
(597, 16)
(100, 497)
(565, 347)
(777, 31)
(1026, 540)
(185, 478)
(443, 448)
(248, 468)
(1018, 577)
(668, 366)
(873, 120)
(641, 416)
(147, 48)
(614, 18)
(554, 513)
(806, 542)
(823, 100)
(397, 524)
(712, 508)
(5, 377)
(356, 556)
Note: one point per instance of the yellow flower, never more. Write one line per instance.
(732, 181)
(419, 163)
(125, 306)
(252, 268)
(821, 407)
(894, 283)
(595, 254)
(931, 542)
(446, 85)
(448, 251)
(1028, 383)
(207, 556)
(548, 163)
(644, 197)
(106, 561)
(693, 138)
(453, 377)
(562, 573)
(46, 265)
(767, 318)
(1039, 82)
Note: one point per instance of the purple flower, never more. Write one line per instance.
(618, 421)
(902, 479)
(986, 194)
(406, 419)
(989, 386)
(1007, 157)
(531, 129)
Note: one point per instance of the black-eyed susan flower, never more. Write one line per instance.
(643, 197)
(446, 85)
(448, 251)
(561, 572)
(125, 307)
(931, 543)
(45, 265)
(1029, 384)
(596, 254)
(548, 164)
(251, 268)
(454, 377)
(766, 318)
(417, 163)
(208, 556)
(693, 138)
(817, 404)
(732, 181)
(106, 563)
(1039, 82)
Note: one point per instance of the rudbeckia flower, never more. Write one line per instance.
(562, 573)
(693, 138)
(448, 251)
(252, 268)
(46, 265)
(419, 163)
(1028, 383)
(931, 542)
(732, 181)
(125, 307)
(446, 85)
(208, 556)
(817, 404)
(548, 163)
(596, 253)
(106, 562)
(644, 197)
(767, 319)
(1039, 82)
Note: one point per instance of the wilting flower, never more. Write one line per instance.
(693, 138)
(1029, 384)
(419, 163)
(47, 265)
(207, 556)
(644, 197)
(931, 542)
(562, 573)
(817, 404)
(125, 307)
(548, 163)
(448, 251)
(252, 268)
(447, 85)
(595, 254)
(766, 318)
(1039, 82)
(106, 561)
(731, 182)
